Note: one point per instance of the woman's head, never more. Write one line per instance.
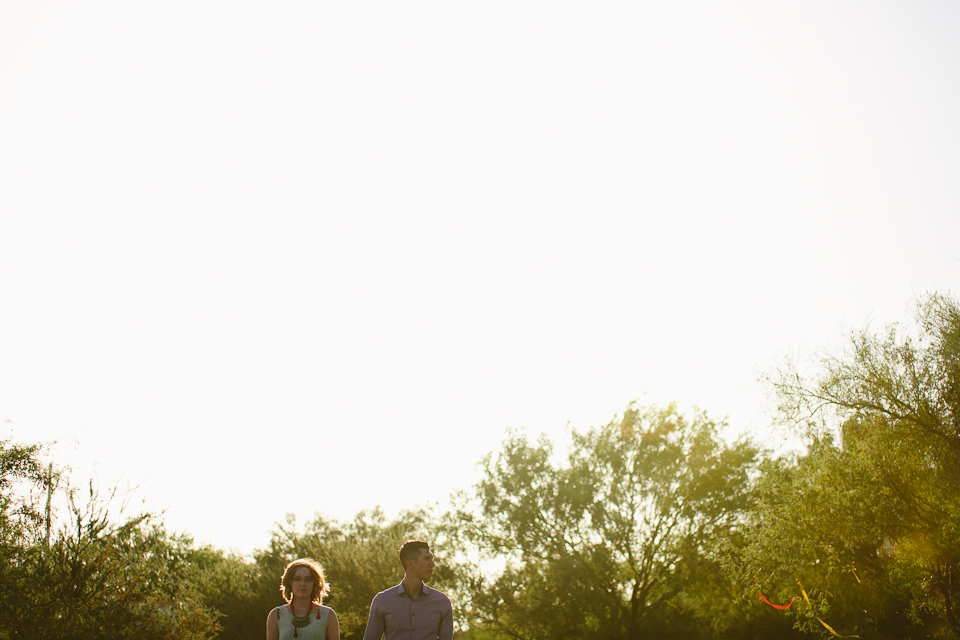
(299, 572)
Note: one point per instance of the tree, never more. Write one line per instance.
(234, 588)
(870, 514)
(596, 546)
(21, 519)
(87, 576)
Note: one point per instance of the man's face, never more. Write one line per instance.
(422, 567)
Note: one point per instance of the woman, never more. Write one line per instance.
(303, 617)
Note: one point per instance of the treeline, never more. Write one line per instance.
(649, 526)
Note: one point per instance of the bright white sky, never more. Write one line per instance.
(292, 257)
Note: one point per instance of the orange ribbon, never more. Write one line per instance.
(775, 606)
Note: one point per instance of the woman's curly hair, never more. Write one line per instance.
(320, 585)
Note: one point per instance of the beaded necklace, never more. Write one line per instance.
(300, 622)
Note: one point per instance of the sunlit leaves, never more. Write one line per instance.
(613, 533)
(878, 491)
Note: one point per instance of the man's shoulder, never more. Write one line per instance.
(387, 593)
(436, 593)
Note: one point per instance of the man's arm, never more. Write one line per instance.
(446, 623)
(374, 630)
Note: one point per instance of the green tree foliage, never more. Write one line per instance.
(20, 518)
(599, 546)
(868, 519)
(233, 587)
(94, 578)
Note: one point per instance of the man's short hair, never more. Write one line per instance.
(410, 550)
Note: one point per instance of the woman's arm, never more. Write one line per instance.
(273, 631)
(333, 626)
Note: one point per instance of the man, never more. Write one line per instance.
(411, 610)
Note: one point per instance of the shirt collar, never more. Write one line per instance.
(423, 588)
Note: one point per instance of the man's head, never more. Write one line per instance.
(416, 559)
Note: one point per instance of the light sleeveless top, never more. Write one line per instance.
(316, 629)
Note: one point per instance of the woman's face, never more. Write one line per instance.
(302, 583)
